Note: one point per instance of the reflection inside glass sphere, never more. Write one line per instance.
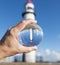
(31, 35)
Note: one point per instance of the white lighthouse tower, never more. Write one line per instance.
(29, 14)
(29, 10)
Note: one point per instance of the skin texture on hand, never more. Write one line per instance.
(10, 45)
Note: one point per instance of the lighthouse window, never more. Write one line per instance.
(29, 8)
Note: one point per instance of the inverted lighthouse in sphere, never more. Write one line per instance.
(32, 34)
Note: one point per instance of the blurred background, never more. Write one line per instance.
(48, 17)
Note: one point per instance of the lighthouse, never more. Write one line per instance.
(32, 34)
(29, 14)
(29, 10)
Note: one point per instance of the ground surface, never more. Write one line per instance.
(29, 63)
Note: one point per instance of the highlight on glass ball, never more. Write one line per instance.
(31, 35)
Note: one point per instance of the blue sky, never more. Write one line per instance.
(48, 17)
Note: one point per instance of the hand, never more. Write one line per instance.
(10, 45)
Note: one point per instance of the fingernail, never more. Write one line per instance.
(35, 47)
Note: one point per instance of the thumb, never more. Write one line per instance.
(26, 49)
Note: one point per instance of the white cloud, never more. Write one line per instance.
(56, 55)
(50, 55)
(8, 59)
(48, 52)
(12, 58)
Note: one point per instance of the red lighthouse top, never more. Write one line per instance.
(29, 1)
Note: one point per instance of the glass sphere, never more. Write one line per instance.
(31, 35)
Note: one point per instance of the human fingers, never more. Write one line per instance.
(26, 49)
(21, 25)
